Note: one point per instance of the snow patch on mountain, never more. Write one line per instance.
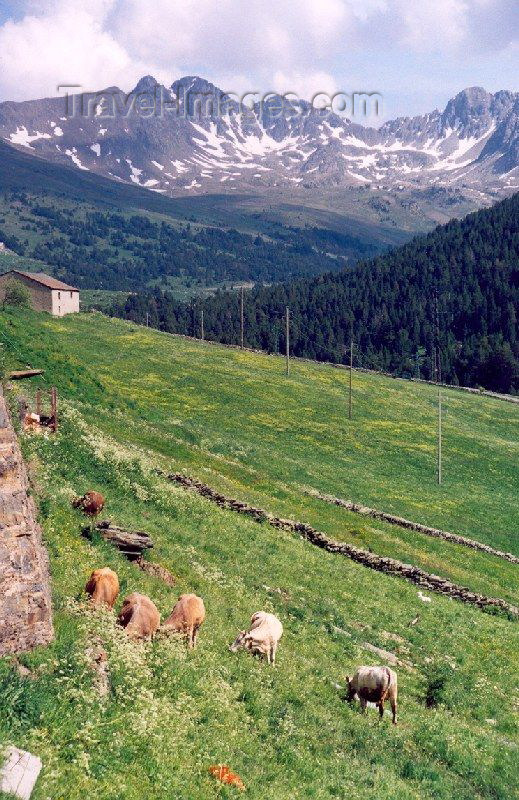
(472, 144)
(72, 154)
(21, 136)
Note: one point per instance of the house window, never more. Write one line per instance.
(59, 295)
(71, 294)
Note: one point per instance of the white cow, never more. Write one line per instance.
(263, 636)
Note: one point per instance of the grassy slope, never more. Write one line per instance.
(134, 399)
(10, 260)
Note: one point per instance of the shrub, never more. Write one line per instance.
(436, 678)
(16, 294)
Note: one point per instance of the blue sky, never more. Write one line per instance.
(417, 54)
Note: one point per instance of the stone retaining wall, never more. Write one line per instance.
(365, 511)
(25, 601)
(390, 566)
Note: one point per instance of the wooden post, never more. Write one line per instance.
(147, 319)
(54, 407)
(439, 436)
(241, 319)
(351, 371)
(287, 338)
(202, 323)
(38, 402)
(23, 408)
(437, 318)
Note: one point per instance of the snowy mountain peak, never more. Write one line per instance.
(193, 138)
(146, 84)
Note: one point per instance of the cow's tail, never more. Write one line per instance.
(388, 671)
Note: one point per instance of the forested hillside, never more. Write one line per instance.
(454, 291)
(100, 234)
(101, 249)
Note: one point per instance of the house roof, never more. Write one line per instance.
(45, 280)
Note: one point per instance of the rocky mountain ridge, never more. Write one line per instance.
(192, 138)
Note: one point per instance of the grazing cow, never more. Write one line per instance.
(374, 685)
(262, 637)
(91, 504)
(187, 616)
(103, 587)
(31, 420)
(139, 615)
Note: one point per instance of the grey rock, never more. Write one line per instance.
(19, 773)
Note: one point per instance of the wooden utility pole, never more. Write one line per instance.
(437, 321)
(439, 435)
(147, 319)
(202, 323)
(287, 338)
(54, 407)
(351, 374)
(241, 319)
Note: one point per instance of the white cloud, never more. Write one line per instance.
(261, 45)
(432, 24)
(325, 18)
(304, 85)
(62, 45)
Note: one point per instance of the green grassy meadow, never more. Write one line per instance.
(133, 400)
(10, 260)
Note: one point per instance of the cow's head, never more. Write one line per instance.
(350, 691)
(239, 642)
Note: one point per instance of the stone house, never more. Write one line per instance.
(47, 293)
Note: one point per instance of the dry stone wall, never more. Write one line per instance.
(358, 508)
(25, 600)
(390, 566)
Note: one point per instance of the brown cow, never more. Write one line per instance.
(374, 685)
(103, 587)
(187, 616)
(91, 504)
(139, 615)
